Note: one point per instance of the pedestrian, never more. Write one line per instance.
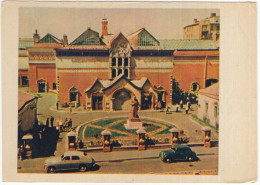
(57, 105)
(167, 109)
(70, 123)
(181, 104)
(47, 122)
(187, 110)
(22, 152)
(177, 107)
(81, 144)
(52, 120)
(70, 110)
(189, 104)
(58, 125)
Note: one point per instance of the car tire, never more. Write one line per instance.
(82, 168)
(190, 158)
(167, 160)
(51, 169)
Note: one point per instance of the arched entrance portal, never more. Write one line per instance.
(122, 99)
(42, 85)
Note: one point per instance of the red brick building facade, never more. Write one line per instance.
(105, 72)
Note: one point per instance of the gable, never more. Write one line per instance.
(89, 37)
(49, 39)
(119, 44)
(146, 39)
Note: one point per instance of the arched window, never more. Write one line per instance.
(119, 71)
(126, 72)
(195, 86)
(73, 94)
(119, 61)
(113, 73)
(113, 61)
(126, 62)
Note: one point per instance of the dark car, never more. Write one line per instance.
(178, 152)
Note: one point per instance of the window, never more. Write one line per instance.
(73, 94)
(113, 73)
(66, 158)
(54, 86)
(75, 157)
(24, 80)
(206, 107)
(195, 86)
(215, 111)
(119, 61)
(113, 61)
(119, 71)
(211, 27)
(126, 62)
(146, 41)
(126, 72)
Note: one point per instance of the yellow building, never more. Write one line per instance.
(206, 29)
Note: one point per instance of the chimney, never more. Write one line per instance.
(195, 20)
(36, 37)
(65, 40)
(104, 26)
(213, 15)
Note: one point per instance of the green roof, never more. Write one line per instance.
(49, 38)
(188, 44)
(89, 37)
(25, 44)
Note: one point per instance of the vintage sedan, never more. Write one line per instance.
(68, 161)
(178, 152)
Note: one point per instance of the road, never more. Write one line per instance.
(207, 165)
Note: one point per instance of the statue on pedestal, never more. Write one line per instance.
(134, 122)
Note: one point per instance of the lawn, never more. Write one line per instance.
(92, 131)
(104, 123)
(121, 127)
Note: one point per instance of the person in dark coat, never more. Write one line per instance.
(47, 122)
(57, 105)
(52, 120)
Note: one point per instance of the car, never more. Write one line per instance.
(178, 152)
(68, 161)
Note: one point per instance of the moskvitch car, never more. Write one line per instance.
(68, 161)
(178, 152)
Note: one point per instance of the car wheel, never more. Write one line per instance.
(168, 160)
(51, 169)
(82, 168)
(190, 158)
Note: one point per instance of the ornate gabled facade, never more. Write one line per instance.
(105, 72)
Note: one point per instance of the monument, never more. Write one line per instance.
(134, 122)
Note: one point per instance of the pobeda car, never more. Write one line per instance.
(69, 160)
(178, 152)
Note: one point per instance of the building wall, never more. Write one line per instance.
(157, 69)
(46, 71)
(192, 32)
(210, 113)
(189, 70)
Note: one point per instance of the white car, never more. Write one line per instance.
(69, 160)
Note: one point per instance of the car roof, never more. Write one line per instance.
(70, 153)
(180, 146)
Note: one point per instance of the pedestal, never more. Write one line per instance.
(206, 136)
(133, 124)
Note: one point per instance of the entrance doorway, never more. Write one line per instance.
(122, 99)
(97, 102)
(146, 102)
(41, 86)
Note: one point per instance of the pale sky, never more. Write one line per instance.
(161, 23)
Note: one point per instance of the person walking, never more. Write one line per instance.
(52, 120)
(181, 104)
(57, 105)
(58, 125)
(177, 107)
(47, 122)
(70, 110)
(187, 110)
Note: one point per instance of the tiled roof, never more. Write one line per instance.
(25, 43)
(140, 83)
(211, 91)
(98, 47)
(23, 98)
(46, 45)
(188, 44)
(88, 37)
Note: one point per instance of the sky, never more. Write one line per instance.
(161, 23)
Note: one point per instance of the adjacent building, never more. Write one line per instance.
(208, 109)
(206, 29)
(103, 72)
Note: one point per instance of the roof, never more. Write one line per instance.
(211, 91)
(70, 153)
(80, 47)
(140, 83)
(24, 98)
(88, 37)
(191, 25)
(46, 45)
(49, 38)
(25, 43)
(188, 44)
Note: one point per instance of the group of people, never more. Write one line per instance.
(49, 120)
(180, 106)
(64, 125)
